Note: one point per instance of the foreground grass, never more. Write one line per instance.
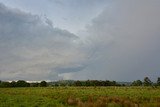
(80, 96)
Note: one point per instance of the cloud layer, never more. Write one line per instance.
(125, 37)
(32, 49)
(121, 43)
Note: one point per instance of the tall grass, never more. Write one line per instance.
(80, 96)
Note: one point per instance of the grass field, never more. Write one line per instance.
(80, 96)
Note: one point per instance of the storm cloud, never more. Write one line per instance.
(30, 47)
(125, 40)
(120, 43)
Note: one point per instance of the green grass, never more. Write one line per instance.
(58, 96)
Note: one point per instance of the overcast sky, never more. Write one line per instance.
(79, 39)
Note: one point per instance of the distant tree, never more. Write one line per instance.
(34, 84)
(88, 83)
(56, 84)
(78, 83)
(158, 81)
(107, 83)
(70, 82)
(113, 83)
(22, 83)
(95, 83)
(43, 84)
(13, 84)
(5, 84)
(62, 83)
(137, 83)
(147, 81)
(122, 85)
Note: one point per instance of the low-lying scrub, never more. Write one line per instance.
(80, 97)
(102, 101)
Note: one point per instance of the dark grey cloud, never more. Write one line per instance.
(30, 47)
(121, 43)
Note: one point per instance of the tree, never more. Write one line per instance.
(158, 81)
(147, 81)
(88, 83)
(43, 84)
(0, 83)
(5, 84)
(34, 84)
(137, 83)
(13, 84)
(78, 83)
(22, 83)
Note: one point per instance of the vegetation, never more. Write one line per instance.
(43, 84)
(147, 82)
(90, 93)
(80, 96)
(158, 81)
(137, 83)
(22, 83)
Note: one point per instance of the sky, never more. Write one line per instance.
(79, 40)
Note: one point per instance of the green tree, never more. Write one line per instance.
(34, 84)
(43, 84)
(78, 83)
(5, 84)
(137, 83)
(158, 81)
(13, 84)
(88, 83)
(147, 81)
(22, 83)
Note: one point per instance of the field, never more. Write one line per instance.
(80, 96)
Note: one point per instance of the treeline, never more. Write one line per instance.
(22, 83)
(96, 83)
(146, 82)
